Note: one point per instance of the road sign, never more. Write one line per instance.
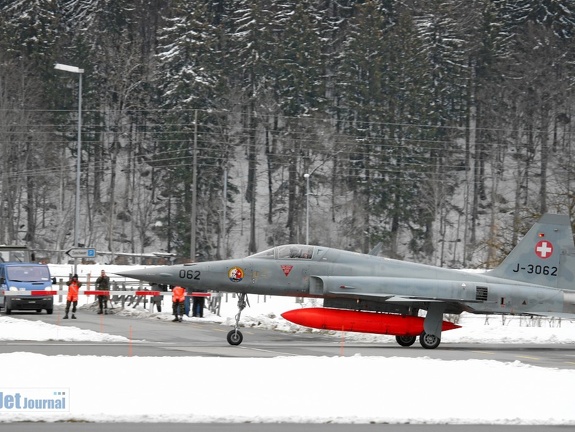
(81, 253)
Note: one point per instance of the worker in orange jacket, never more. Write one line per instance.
(178, 297)
(72, 299)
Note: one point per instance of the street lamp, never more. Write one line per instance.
(307, 176)
(78, 71)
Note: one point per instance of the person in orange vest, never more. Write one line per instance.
(72, 298)
(178, 297)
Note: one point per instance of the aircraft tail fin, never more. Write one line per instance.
(545, 256)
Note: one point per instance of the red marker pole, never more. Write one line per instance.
(130, 343)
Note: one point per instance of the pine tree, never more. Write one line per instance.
(187, 86)
(251, 48)
(28, 35)
(362, 103)
(442, 90)
(299, 91)
(30, 29)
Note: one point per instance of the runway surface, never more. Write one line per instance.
(154, 337)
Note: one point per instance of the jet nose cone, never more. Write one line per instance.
(144, 274)
(135, 274)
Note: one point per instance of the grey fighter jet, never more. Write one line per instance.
(366, 293)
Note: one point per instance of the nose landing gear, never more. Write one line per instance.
(235, 336)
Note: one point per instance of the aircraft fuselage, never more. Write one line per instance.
(536, 278)
(341, 274)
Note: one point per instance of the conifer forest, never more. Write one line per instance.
(213, 129)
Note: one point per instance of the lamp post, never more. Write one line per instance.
(307, 176)
(78, 71)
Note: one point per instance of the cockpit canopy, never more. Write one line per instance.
(293, 251)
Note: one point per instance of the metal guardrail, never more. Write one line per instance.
(124, 293)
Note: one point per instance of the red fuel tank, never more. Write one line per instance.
(361, 322)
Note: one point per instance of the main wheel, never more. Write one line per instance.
(235, 337)
(428, 341)
(405, 341)
(8, 311)
(49, 311)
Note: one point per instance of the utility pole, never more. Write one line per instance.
(194, 190)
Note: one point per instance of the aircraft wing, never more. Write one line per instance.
(391, 298)
(393, 289)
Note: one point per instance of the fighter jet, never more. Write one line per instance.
(367, 293)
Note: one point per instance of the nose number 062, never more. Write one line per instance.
(190, 274)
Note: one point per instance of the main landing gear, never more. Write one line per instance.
(432, 327)
(427, 341)
(235, 336)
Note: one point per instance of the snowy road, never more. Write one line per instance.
(141, 336)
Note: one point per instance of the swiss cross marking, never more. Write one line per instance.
(544, 249)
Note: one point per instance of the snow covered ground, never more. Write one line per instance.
(287, 389)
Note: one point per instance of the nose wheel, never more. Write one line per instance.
(235, 336)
